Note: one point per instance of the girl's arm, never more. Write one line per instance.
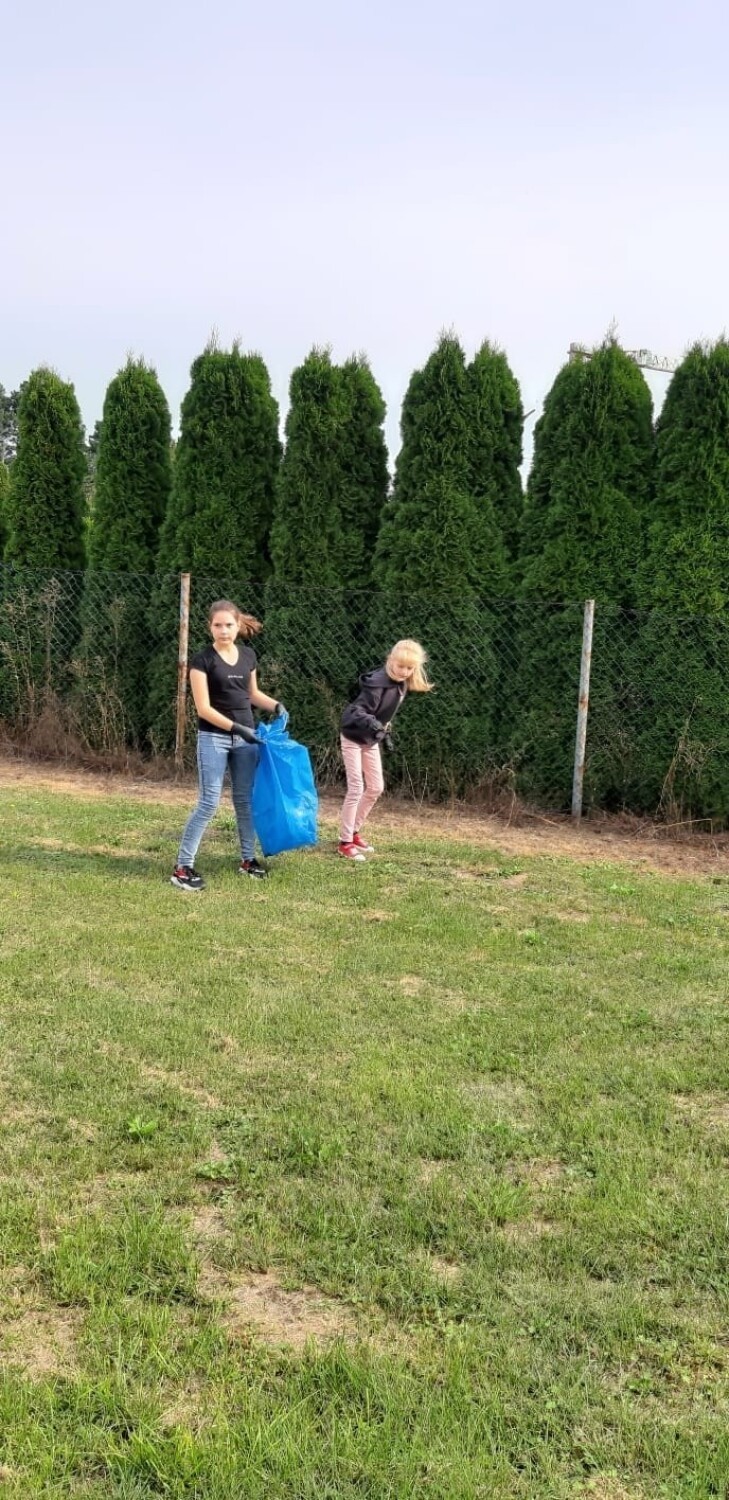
(260, 699)
(201, 695)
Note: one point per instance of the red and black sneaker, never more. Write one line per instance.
(253, 868)
(350, 851)
(361, 843)
(187, 879)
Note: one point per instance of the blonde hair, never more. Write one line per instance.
(411, 654)
(248, 625)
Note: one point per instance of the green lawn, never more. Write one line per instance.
(407, 1179)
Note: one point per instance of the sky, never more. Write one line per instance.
(360, 176)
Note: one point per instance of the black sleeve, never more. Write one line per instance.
(199, 662)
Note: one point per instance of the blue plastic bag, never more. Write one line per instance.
(285, 803)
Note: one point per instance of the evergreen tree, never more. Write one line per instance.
(497, 427)
(132, 481)
(226, 461)
(9, 402)
(45, 550)
(310, 623)
(220, 509)
(364, 478)
(46, 499)
(439, 557)
(308, 543)
(4, 503)
(586, 506)
(684, 646)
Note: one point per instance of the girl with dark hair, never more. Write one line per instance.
(225, 690)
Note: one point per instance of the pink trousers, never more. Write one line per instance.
(365, 783)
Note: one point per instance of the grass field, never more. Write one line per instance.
(399, 1180)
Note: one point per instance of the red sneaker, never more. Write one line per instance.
(350, 851)
(360, 843)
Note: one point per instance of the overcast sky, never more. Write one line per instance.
(359, 175)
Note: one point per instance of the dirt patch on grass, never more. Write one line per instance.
(257, 1305)
(182, 1084)
(428, 1169)
(523, 1231)
(208, 1223)
(97, 1192)
(711, 1111)
(444, 1270)
(36, 1337)
(187, 1406)
(608, 840)
(540, 1173)
(154, 1073)
(411, 984)
(607, 1487)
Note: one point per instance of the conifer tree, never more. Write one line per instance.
(44, 548)
(497, 427)
(439, 556)
(4, 503)
(364, 480)
(220, 509)
(585, 513)
(684, 583)
(131, 493)
(46, 510)
(310, 622)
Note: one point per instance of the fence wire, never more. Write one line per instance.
(88, 661)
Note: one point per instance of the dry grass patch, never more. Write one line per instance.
(412, 984)
(428, 1170)
(99, 1190)
(608, 1487)
(36, 1337)
(710, 1111)
(188, 1407)
(540, 1172)
(522, 1231)
(182, 1084)
(508, 1100)
(154, 1073)
(208, 1224)
(444, 1270)
(257, 1305)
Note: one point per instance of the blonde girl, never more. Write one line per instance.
(365, 724)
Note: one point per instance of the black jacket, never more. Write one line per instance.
(376, 704)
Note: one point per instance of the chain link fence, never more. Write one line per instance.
(88, 667)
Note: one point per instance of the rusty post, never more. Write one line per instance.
(184, 635)
(582, 707)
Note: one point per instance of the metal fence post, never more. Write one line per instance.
(582, 707)
(183, 639)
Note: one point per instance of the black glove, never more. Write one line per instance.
(279, 711)
(387, 742)
(245, 732)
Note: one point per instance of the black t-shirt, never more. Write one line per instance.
(228, 685)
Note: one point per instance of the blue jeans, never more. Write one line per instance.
(216, 754)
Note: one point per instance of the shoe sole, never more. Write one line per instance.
(181, 885)
(354, 859)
